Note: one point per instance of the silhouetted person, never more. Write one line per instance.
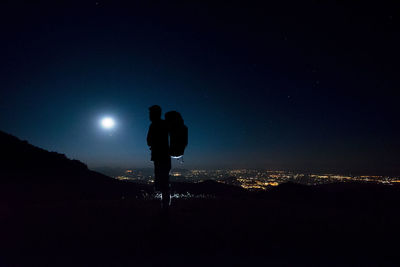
(157, 140)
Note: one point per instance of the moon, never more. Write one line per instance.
(107, 123)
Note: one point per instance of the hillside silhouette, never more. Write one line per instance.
(30, 172)
(56, 212)
(22, 160)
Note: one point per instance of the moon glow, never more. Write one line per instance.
(107, 123)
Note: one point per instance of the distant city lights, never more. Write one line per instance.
(253, 179)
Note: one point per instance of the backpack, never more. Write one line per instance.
(178, 134)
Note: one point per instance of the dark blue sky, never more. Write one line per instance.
(289, 86)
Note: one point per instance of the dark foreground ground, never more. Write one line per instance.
(336, 225)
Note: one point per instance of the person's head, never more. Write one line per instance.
(155, 113)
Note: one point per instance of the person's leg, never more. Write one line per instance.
(157, 176)
(166, 194)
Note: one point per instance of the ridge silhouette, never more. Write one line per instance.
(34, 173)
(20, 156)
(79, 218)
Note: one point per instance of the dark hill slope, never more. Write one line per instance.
(22, 160)
(330, 225)
(29, 172)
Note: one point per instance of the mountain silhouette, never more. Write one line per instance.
(30, 172)
(78, 217)
(21, 160)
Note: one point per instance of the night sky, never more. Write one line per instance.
(292, 86)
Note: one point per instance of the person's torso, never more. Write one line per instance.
(159, 139)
